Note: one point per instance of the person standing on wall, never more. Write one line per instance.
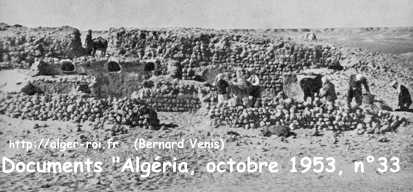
(405, 99)
(254, 81)
(222, 88)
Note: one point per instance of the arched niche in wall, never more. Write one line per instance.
(113, 66)
(67, 66)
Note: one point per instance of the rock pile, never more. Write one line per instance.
(310, 114)
(79, 108)
(170, 97)
(64, 84)
(194, 51)
(20, 46)
(132, 112)
(174, 103)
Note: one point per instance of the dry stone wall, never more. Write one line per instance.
(21, 46)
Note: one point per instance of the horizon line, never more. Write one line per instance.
(217, 28)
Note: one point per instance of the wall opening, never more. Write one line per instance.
(113, 66)
(149, 66)
(67, 67)
(84, 88)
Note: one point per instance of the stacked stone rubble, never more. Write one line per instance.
(170, 97)
(79, 108)
(195, 51)
(311, 114)
(21, 46)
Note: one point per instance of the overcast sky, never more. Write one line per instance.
(102, 14)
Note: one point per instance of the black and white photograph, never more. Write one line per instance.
(206, 95)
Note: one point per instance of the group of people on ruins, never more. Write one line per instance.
(244, 89)
(244, 86)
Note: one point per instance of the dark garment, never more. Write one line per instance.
(355, 89)
(222, 86)
(89, 43)
(357, 85)
(354, 93)
(310, 86)
(255, 91)
(405, 99)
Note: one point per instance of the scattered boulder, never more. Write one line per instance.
(278, 130)
(30, 89)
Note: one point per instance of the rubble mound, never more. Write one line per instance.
(79, 108)
(169, 96)
(21, 46)
(64, 84)
(308, 115)
(59, 65)
(192, 53)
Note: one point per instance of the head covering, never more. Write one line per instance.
(220, 76)
(325, 79)
(359, 77)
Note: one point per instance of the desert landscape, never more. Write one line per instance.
(158, 84)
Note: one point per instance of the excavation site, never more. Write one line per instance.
(194, 109)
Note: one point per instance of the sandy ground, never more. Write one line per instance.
(347, 148)
(12, 80)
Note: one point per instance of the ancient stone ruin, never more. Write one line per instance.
(174, 71)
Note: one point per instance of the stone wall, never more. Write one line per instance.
(21, 46)
(106, 77)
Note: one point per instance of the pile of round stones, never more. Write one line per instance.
(311, 114)
(79, 108)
